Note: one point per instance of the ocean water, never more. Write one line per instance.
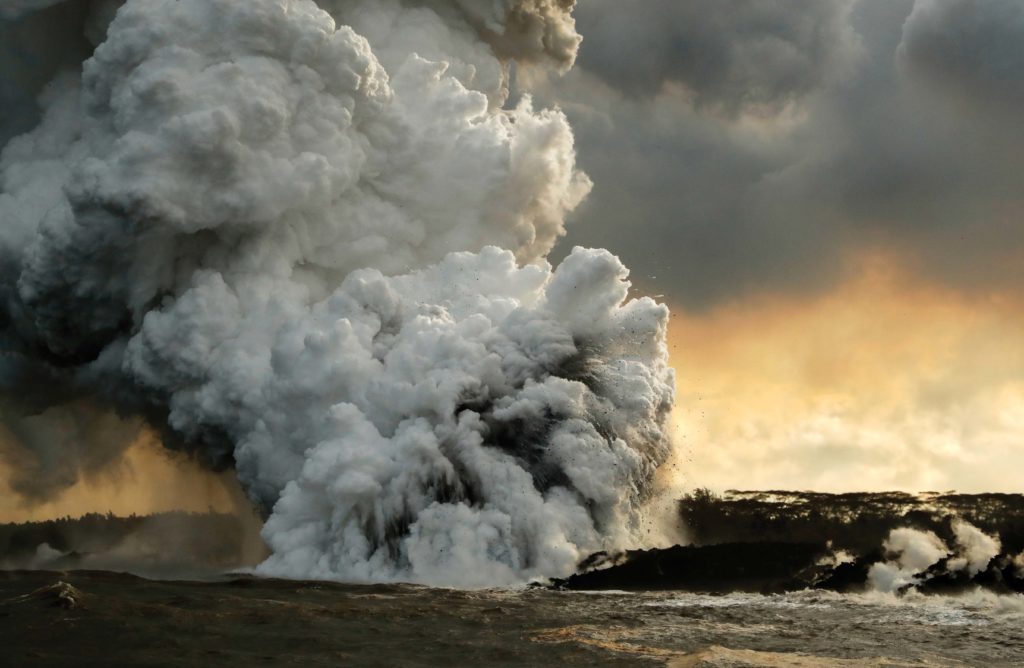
(814, 628)
(105, 619)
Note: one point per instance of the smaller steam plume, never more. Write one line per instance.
(914, 553)
(164, 545)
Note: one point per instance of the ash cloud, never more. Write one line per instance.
(13, 9)
(765, 143)
(972, 49)
(730, 56)
(304, 249)
(50, 451)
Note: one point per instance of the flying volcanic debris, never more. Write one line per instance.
(307, 240)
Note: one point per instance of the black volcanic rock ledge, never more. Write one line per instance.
(764, 568)
(777, 541)
(751, 567)
(855, 522)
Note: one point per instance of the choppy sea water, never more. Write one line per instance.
(815, 628)
(95, 618)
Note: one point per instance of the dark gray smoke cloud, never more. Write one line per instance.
(49, 451)
(25, 68)
(973, 49)
(729, 55)
(746, 146)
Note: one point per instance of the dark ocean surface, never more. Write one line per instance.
(106, 619)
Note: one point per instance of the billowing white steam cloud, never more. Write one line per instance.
(273, 228)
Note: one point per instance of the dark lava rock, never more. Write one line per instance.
(996, 577)
(846, 578)
(766, 567)
(850, 576)
(1011, 577)
(936, 581)
(57, 595)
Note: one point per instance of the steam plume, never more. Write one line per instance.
(307, 241)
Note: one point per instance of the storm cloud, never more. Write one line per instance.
(730, 55)
(765, 144)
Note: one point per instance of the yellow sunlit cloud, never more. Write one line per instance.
(885, 383)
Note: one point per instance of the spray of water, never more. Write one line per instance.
(913, 552)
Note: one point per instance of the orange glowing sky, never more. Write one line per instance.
(147, 480)
(884, 383)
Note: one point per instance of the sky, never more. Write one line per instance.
(827, 193)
